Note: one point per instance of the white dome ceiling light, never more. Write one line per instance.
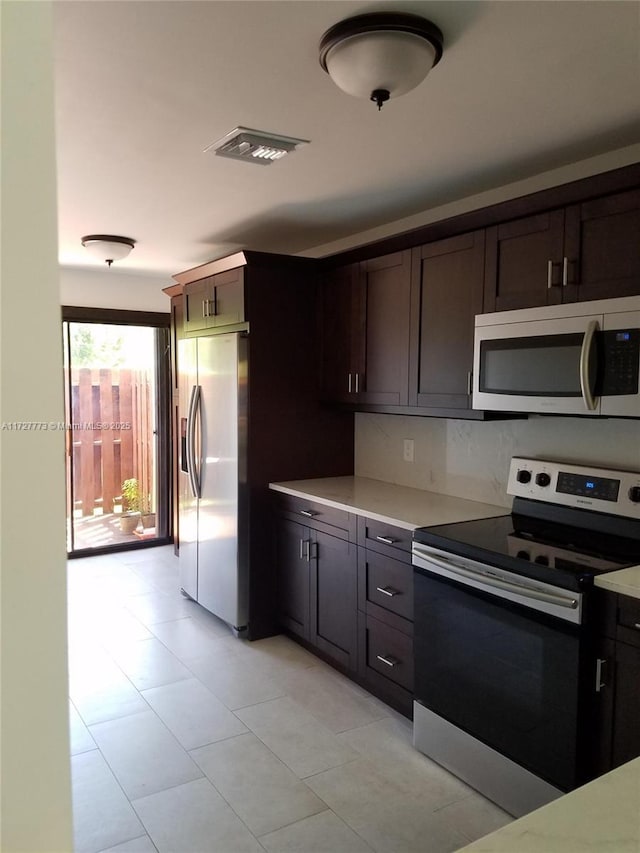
(380, 55)
(108, 247)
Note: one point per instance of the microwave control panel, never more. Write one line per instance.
(580, 486)
(620, 362)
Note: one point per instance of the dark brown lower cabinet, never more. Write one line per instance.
(333, 599)
(626, 717)
(385, 614)
(386, 662)
(351, 604)
(317, 589)
(618, 698)
(292, 572)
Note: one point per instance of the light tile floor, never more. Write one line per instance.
(187, 740)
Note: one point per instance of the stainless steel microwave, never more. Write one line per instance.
(578, 359)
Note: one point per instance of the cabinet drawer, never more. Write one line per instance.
(385, 538)
(628, 620)
(389, 653)
(384, 584)
(315, 515)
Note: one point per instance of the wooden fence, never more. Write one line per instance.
(111, 434)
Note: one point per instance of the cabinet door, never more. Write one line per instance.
(602, 248)
(446, 296)
(523, 266)
(337, 294)
(293, 552)
(228, 298)
(197, 304)
(381, 331)
(626, 724)
(605, 650)
(334, 628)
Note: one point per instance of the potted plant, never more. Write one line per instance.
(130, 517)
(148, 516)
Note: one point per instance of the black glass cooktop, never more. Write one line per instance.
(535, 547)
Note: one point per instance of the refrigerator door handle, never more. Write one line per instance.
(197, 411)
(191, 435)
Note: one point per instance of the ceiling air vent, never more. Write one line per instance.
(254, 146)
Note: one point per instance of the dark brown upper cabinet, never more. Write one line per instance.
(365, 318)
(582, 252)
(446, 295)
(602, 247)
(523, 262)
(195, 304)
(215, 301)
(337, 294)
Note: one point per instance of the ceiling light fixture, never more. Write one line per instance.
(380, 55)
(107, 247)
(254, 146)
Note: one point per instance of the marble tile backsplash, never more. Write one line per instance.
(470, 459)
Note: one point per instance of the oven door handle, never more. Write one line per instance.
(585, 353)
(492, 582)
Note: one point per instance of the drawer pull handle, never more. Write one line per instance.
(308, 513)
(389, 661)
(388, 590)
(387, 540)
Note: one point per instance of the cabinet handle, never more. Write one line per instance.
(389, 661)
(387, 540)
(600, 663)
(302, 549)
(204, 308)
(357, 383)
(550, 266)
(469, 382)
(349, 383)
(565, 271)
(388, 590)
(308, 513)
(214, 302)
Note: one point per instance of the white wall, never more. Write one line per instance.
(470, 459)
(110, 288)
(545, 180)
(36, 810)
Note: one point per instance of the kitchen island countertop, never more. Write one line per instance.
(387, 502)
(624, 581)
(603, 815)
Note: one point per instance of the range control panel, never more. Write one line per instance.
(580, 486)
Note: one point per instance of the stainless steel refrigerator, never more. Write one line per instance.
(213, 515)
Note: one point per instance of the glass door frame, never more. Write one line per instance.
(162, 324)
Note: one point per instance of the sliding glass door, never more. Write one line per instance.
(117, 435)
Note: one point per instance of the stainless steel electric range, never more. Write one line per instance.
(505, 667)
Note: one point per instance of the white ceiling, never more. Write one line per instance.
(143, 87)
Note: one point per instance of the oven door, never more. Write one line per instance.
(537, 366)
(505, 673)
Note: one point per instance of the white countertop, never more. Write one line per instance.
(386, 502)
(601, 816)
(624, 581)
